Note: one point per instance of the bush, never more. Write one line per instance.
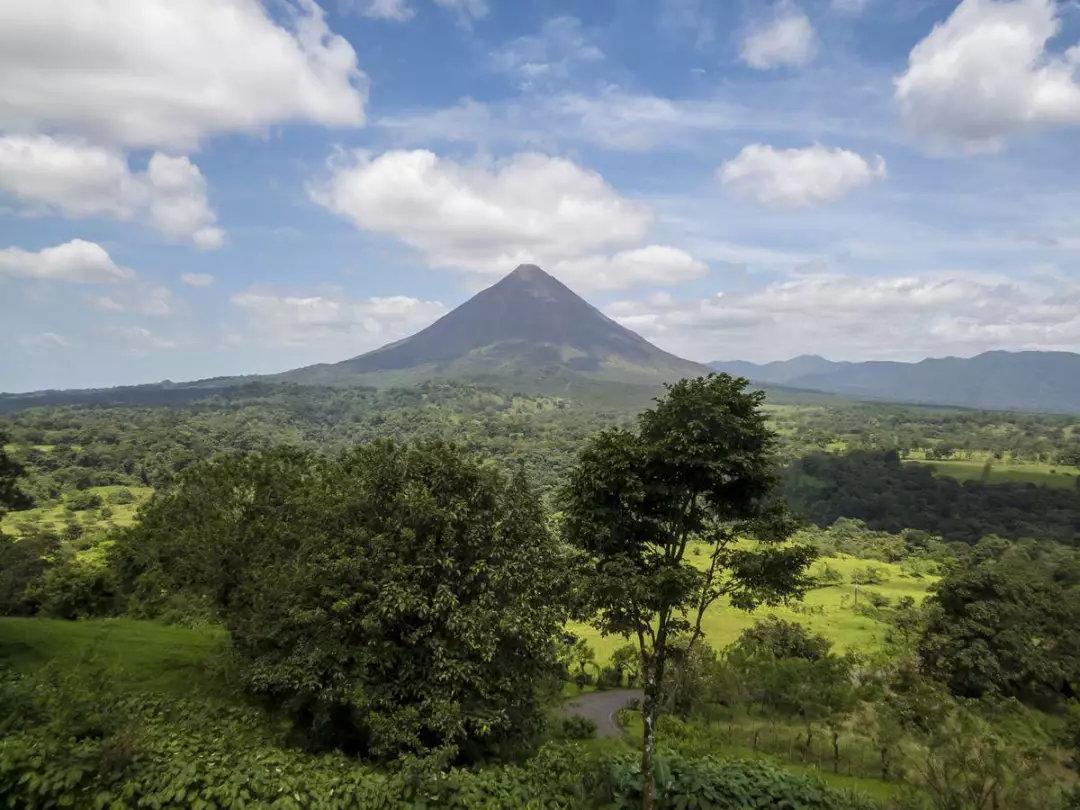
(710, 784)
(121, 496)
(22, 564)
(390, 600)
(83, 501)
(577, 727)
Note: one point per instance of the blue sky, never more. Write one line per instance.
(228, 186)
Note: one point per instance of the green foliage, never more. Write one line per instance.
(577, 727)
(23, 562)
(709, 784)
(877, 488)
(997, 627)
(82, 501)
(11, 495)
(392, 599)
(776, 638)
(699, 467)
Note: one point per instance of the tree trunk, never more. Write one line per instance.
(836, 751)
(648, 743)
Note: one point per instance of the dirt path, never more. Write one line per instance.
(601, 707)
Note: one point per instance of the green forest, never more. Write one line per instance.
(297, 596)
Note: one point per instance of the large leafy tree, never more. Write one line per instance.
(698, 469)
(1003, 627)
(393, 600)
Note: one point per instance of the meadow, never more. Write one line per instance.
(831, 611)
(1003, 472)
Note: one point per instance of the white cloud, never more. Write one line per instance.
(178, 204)
(850, 6)
(353, 324)
(650, 265)
(160, 73)
(691, 17)
(137, 340)
(483, 218)
(466, 10)
(197, 279)
(786, 40)
(985, 74)
(850, 316)
(78, 180)
(44, 342)
(75, 261)
(554, 54)
(142, 299)
(797, 177)
(396, 10)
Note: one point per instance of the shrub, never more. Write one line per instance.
(710, 784)
(577, 727)
(391, 600)
(121, 496)
(83, 501)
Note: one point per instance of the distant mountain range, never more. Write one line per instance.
(1021, 381)
(531, 333)
(528, 330)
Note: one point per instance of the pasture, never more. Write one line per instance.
(831, 611)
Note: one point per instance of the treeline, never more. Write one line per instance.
(81, 446)
(942, 432)
(876, 487)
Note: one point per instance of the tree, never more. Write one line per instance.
(11, 497)
(699, 469)
(791, 671)
(1003, 627)
(392, 600)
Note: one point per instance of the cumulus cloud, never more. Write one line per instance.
(487, 217)
(158, 73)
(797, 177)
(554, 53)
(75, 261)
(353, 324)
(197, 279)
(986, 73)
(76, 179)
(850, 316)
(651, 265)
(785, 40)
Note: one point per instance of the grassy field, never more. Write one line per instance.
(829, 611)
(1001, 472)
(123, 654)
(56, 516)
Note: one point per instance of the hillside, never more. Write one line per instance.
(998, 380)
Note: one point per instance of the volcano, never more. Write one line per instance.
(528, 330)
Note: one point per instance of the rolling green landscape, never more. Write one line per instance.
(89, 632)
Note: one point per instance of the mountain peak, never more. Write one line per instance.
(528, 325)
(528, 271)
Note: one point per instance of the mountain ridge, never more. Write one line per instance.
(1046, 381)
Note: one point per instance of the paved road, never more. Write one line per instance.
(600, 707)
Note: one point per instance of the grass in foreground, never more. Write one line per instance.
(125, 654)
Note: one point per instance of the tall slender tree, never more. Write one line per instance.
(699, 469)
